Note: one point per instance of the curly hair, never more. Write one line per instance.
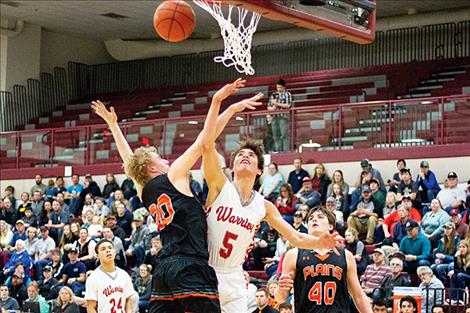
(136, 166)
(253, 146)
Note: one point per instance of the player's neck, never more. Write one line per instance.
(108, 267)
(244, 186)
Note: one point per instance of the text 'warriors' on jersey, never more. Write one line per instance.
(320, 282)
(231, 227)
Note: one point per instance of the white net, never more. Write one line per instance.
(237, 37)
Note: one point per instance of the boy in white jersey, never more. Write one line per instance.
(109, 288)
(234, 210)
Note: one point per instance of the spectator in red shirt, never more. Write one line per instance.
(285, 203)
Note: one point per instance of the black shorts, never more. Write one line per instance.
(184, 284)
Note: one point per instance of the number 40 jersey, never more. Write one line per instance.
(231, 227)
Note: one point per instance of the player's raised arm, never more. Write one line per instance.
(286, 281)
(297, 239)
(357, 294)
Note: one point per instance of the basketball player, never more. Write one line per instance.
(108, 288)
(234, 211)
(322, 280)
(183, 281)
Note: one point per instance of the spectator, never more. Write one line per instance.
(390, 204)
(120, 258)
(88, 204)
(358, 250)
(22, 272)
(364, 219)
(439, 308)
(8, 213)
(34, 296)
(6, 235)
(19, 233)
(268, 141)
(271, 264)
(124, 219)
(427, 182)
(338, 178)
(195, 187)
(20, 256)
(461, 228)
(285, 203)
(379, 306)
(38, 186)
(367, 166)
(73, 274)
(50, 191)
(432, 288)
(139, 240)
(375, 272)
(45, 214)
(10, 194)
(117, 230)
(281, 100)
(23, 204)
(408, 305)
(341, 204)
(73, 193)
(272, 183)
(37, 204)
(251, 292)
(86, 250)
(66, 302)
(63, 206)
(262, 302)
(444, 254)
(285, 307)
(433, 222)
(460, 275)
(101, 209)
(271, 288)
(395, 180)
(394, 279)
(48, 287)
(44, 247)
(57, 220)
(31, 239)
(307, 198)
(264, 245)
(298, 223)
(143, 286)
(128, 189)
(320, 181)
(56, 264)
(88, 217)
(356, 194)
(110, 187)
(408, 186)
(60, 186)
(416, 247)
(68, 238)
(18, 289)
(297, 175)
(7, 302)
(452, 197)
(29, 218)
(118, 198)
(89, 187)
(378, 196)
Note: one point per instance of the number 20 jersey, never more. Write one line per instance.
(231, 227)
(320, 282)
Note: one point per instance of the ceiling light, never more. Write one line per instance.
(413, 140)
(426, 102)
(192, 122)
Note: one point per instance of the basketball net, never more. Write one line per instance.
(237, 37)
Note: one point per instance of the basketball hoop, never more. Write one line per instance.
(237, 37)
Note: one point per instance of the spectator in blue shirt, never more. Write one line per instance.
(19, 256)
(308, 197)
(57, 220)
(427, 183)
(416, 247)
(74, 273)
(271, 186)
(73, 193)
(297, 175)
(19, 233)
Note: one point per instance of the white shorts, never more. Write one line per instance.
(232, 291)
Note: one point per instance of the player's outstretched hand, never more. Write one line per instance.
(329, 241)
(286, 282)
(229, 89)
(99, 108)
(250, 103)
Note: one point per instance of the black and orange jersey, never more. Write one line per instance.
(180, 219)
(320, 282)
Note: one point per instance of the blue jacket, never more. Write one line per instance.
(16, 258)
(429, 182)
(449, 256)
(17, 236)
(420, 247)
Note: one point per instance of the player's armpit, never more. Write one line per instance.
(357, 294)
(91, 306)
(286, 281)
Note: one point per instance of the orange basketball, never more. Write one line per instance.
(174, 20)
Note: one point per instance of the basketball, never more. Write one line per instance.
(174, 21)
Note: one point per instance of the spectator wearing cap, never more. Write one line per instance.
(21, 271)
(298, 223)
(363, 219)
(338, 178)
(73, 274)
(367, 166)
(452, 197)
(431, 287)
(86, 249)
(321, 181)
(20, 256)
(18, 289)
(416, 247)
(44, 247)
(49, 285)
(392, 280)
(375, 272)
(378, 196)
(307, 197)
(139, 240)
(427, 182)
(461, 229)
(296, 177)
(34, 296)
(7, 302)
(396, 178)
(285, 203)
(433, 222)
(272, 183)
(445, 252)
(356, 194)
(73, 193)
(408, 186)
(19, 233)
(57, 220)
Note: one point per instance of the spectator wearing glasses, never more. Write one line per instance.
(432, 288)
(394, 279)
(452, 197)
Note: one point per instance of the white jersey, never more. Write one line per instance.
(231, 228)
(109, 290)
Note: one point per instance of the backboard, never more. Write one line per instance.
(352, 20)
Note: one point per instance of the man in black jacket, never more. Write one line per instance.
(394, 279)
(48, 287)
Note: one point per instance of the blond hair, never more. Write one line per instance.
(464, 260)
(70, 292)
(136, 166)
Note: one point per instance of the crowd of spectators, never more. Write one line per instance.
(415, 231)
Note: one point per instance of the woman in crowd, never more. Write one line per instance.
(110, 187)
(341, 203)
(321, 181)
(460, 275)
(46, 211)
(86, 247)
(390, 204)
(433, 222)
(31, 239)
(272, 183)
(431, 287)
(68, 238)
(143, 286)
(444, 256)
(88, 205)
(338, 179)
(5, 235)
(50, 191)
(23, 204)
(66, 302)
(358, 249)
(285, 203)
